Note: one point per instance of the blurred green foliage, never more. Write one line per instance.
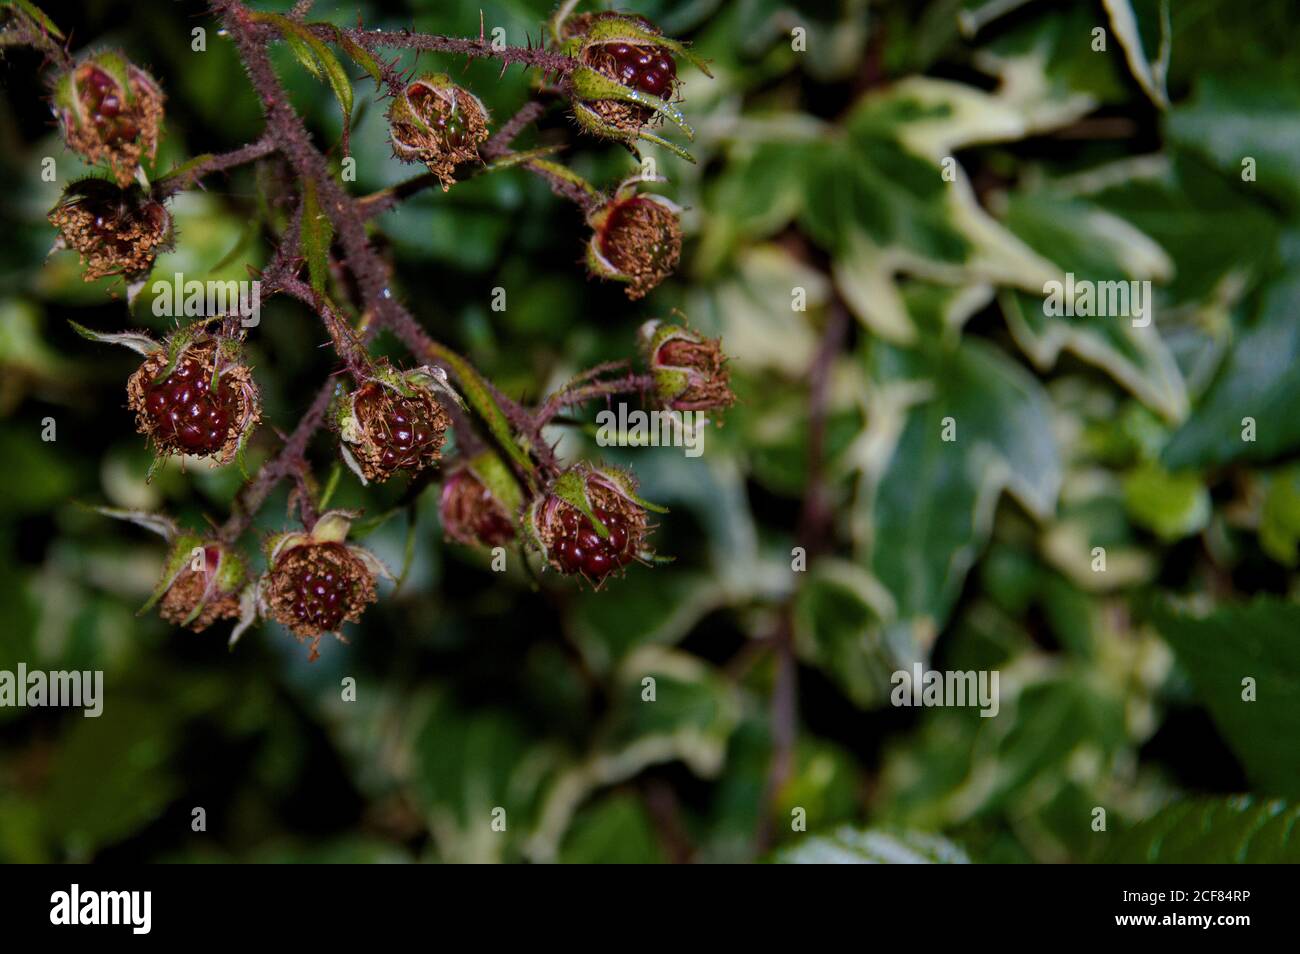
(928, 166)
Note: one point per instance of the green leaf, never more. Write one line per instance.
(837, 615)
(666, 706)
(1279, 518)
(927, 503)
(1233, 119)
(359, 54)
(1047, 60)
(617, 830)
(38, 15)
(1095, 245)
(125, 755)
(1219, 237)
(317, 234)
(857, 846)
(1172, 506)
(1259, 641)
(1241, 829)
(479, 395)
(316, 57)
(1257, 382)
(469, 764)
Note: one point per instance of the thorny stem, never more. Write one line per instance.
(568, 397)
(175, 182)
(481, 47)
(250, 499)
(287, 135)
(498, 144)
(22, 31)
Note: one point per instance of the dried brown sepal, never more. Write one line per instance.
(115, 231)
(439, 124)
(315, 588)
(636, 239)
(186, 593)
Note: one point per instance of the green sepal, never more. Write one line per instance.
(600, 266)
(571, 487)
(589, 84)
(332, 526)
(139, 343)
(625, 487)
(177, 559)
(672, 147)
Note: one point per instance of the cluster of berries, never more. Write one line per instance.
(194, 394)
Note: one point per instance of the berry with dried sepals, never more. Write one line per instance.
(591, 522)
(480, 502)
(315, 581)
(392, 421)
(626, 78)
(193, 395)
(636, 239)
(202, 578)
(200, 584)
(116, 231)
(689, 370)
(110, 111)
(438, 123)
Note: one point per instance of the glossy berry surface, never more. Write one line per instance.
(578, 548)
(402, 427)
(647, 68)
(322, 589)
(101, 95)
(187, 413)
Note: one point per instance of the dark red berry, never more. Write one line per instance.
(101, 97)
(322, 589)
(403, 429)
(579, 548)
(187, 413)
(647, 68)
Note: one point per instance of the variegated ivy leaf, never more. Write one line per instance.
(852, 846)
(667, 706)
(1143, 30)
(750, 307)
(1046, 60)
(890, 198)
(934, 463)
(1120, 268)
(840, 613)
(1220, 239)
(477, 776)
(974, 15)
(885, 195)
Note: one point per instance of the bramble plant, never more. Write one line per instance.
(195, 399)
